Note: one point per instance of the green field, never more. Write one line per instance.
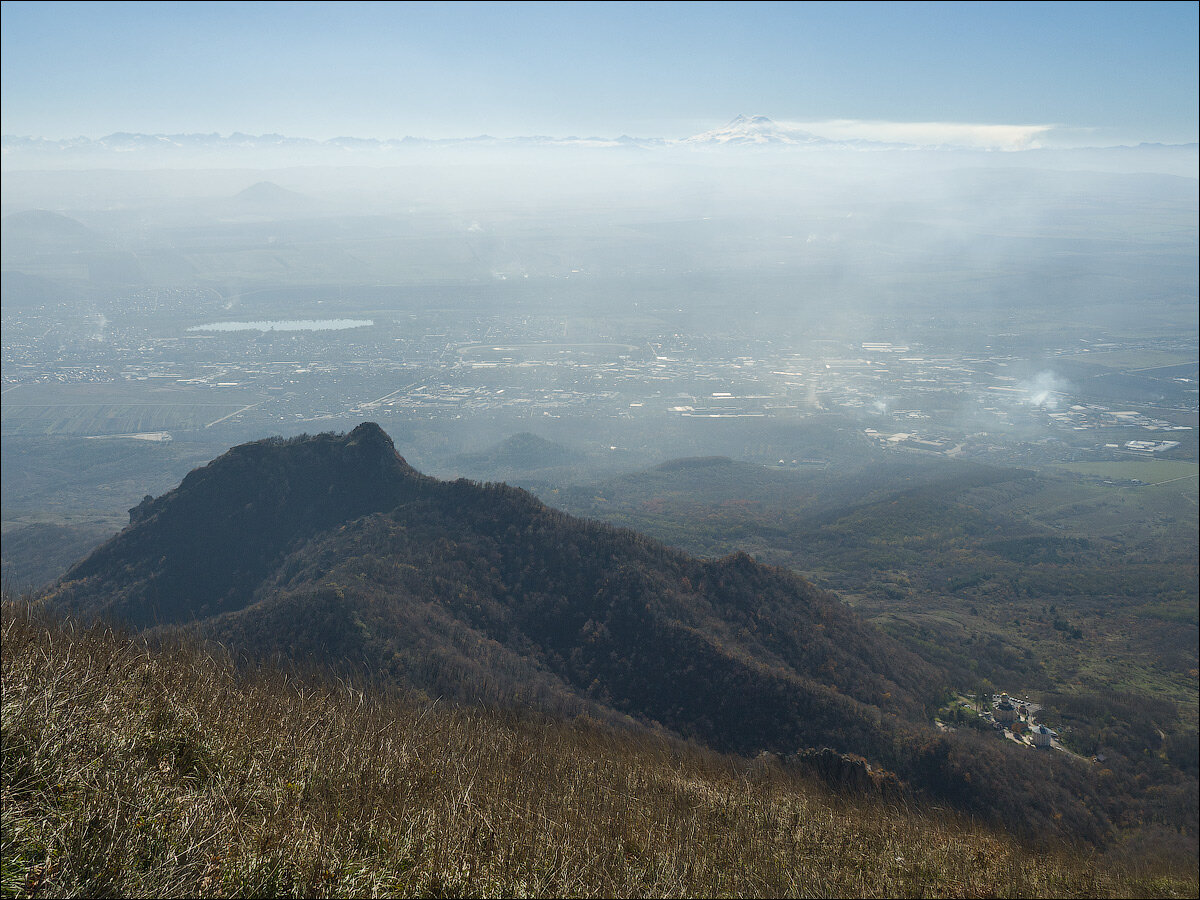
(1154, 472)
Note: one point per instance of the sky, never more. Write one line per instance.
(1075, 73)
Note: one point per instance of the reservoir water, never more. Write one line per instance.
(286, 325)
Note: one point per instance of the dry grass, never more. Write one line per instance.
(138, 771)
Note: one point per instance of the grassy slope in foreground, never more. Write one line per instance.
(137, 771)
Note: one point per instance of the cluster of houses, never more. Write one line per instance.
(1016, 716)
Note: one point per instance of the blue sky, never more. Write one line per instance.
(1101, 72)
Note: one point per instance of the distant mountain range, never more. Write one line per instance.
(125, 142)
(742, 131)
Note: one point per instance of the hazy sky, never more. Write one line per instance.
(1102, 72)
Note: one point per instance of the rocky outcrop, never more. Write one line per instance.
(849, 774)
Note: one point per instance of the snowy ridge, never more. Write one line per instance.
(758, 130)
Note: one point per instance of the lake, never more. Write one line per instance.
(286, 325)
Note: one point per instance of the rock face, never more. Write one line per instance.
(849, 773)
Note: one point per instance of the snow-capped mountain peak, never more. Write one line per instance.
(756, 130)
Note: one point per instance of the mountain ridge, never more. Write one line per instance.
(742, 130)
(330, 550)
(370, 469)
(322, 545)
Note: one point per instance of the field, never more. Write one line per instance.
(1153, 472)
(117, 408)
